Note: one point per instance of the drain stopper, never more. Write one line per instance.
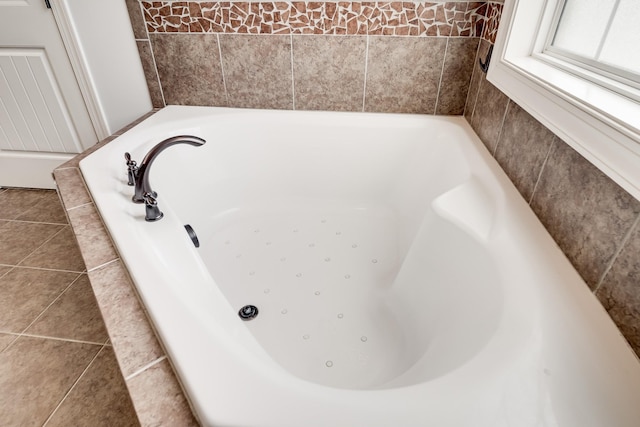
(248, 312)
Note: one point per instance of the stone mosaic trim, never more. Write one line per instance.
(494, 13)
(456, 19)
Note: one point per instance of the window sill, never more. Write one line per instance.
(601, 125)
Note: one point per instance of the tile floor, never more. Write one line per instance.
(56, 365)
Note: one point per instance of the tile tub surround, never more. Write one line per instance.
(311, 55)
(157, 397)
(56, 366)
(593, 221)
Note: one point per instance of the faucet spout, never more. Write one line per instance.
(142, 185)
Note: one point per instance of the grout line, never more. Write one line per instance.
(475, 101)
(544, 164)
(62, 339)
(476, 69)
(468, 102)
(366, 73)
(145, 367)
(444, 61)
(613, 259)
(155, 67)
(46, 337)
(224, 80)
(103, 265)
(10, 268)
(80, 206)
(35, 222)
(43, 268)
(468, 84)
(11, 343)
(499, 135)
(72, 387)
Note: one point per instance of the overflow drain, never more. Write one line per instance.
(192, 235)
(248, 312)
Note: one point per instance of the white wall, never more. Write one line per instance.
(102, 47)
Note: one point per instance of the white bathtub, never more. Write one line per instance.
(400, 278)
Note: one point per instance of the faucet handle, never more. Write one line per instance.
(132, 169)
(152, 211)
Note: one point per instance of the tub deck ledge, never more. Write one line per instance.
(153, 386)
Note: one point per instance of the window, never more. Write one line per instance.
(575, 66)
(599, 36)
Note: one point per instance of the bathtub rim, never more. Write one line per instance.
(325, 393)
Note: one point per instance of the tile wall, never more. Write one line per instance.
(408, 57)
(593, 220)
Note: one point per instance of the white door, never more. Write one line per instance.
(43, 117)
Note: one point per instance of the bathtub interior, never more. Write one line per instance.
(456, 341)
(358, 242)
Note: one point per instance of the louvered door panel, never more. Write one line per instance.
(33, 116)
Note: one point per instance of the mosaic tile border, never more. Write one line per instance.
(421, 19)
(494, 14)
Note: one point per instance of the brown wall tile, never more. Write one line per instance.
(489, 113)
(620, 290)
(403, 74)
(587, 214)
(257, 71)
(150, 73)
(476, 78)
(522, 149)
(329, 72)
(189, 69)
(456, 75)
(136, 18)
(259, 80)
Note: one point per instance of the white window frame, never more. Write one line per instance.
(599, 123)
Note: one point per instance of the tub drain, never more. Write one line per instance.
(248, 312)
